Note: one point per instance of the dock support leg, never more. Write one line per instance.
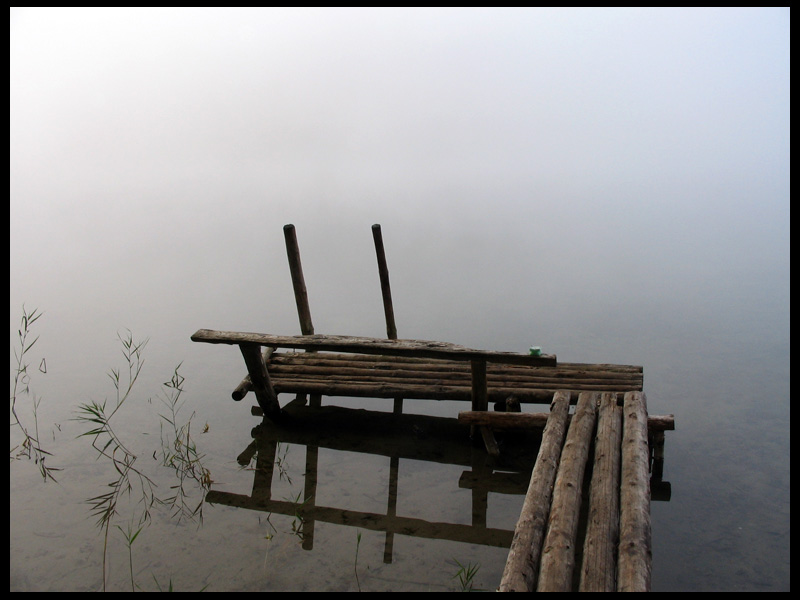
(480, 401)
(262, 386)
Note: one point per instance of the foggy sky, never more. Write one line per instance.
(156, 154)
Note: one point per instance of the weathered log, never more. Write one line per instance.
(298, 282)
(377, 361)
(265, 393)
(246, 384)
(366, 345)
(558, 554)
(599, 565)
(386, 292)
(635, 553)
(522, 563)
(519, 377)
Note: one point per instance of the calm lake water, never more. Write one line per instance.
(724, 376)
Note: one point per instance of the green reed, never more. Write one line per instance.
(178, 452)
(30, 447)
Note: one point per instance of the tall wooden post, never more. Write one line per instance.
(300, 292)
(386, 293)
(383, 272)
(299, 284)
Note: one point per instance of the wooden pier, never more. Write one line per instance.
(597, 461)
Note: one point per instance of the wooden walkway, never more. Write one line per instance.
(609, 437)
(608, 441)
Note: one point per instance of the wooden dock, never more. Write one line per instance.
(609, 439)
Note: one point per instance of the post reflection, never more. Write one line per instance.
(395, 437)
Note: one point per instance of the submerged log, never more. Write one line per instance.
(521, 567)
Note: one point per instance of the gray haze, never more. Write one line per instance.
(610, 184)
(629, 146)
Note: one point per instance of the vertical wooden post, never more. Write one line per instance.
(299, 284)
(262, 386)
(383, 272)
(480, 393)
(300, 292)
(480, 401)
(386, 293)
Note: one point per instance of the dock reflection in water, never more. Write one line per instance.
(444, 443)
(394, 436)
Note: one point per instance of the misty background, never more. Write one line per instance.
(609, 184)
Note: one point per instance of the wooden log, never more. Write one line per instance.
(501, 421)
(265, 394)
(240, 391)
(422, 392)
(635, 552)
(366, 345)
(386, 292)
(558, 554)
(396, 361)
(507, 377)
(599, 565)
(298, 282)
(522, 564)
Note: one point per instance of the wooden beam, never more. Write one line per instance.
(599, 565)
(365, 345)
(265, 394)
(522, 564)
(635, 552)
(558, 553)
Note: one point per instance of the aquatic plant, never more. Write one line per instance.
(355, 562)
(178, 452)
(109, 446)
(465, 576)
(30, 447)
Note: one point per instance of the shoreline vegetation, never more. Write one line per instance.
(128, 503)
